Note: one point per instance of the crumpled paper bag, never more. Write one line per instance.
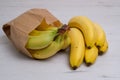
(18, 29)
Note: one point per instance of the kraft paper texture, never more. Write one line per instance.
(18, 29)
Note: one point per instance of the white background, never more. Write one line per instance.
(16, 66)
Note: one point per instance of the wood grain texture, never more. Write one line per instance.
(16, 66)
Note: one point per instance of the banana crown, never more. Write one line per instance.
(63, 36)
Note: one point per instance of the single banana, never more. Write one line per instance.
(104, 48)
(91, 55)
(40, 39)
(87, 28)
(38, 32)
(77, 48)
(100, 35)
(50, 50)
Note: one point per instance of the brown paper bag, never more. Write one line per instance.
(18, 29)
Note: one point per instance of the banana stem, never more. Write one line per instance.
(63, 29)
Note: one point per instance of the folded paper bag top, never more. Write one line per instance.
(19, 28)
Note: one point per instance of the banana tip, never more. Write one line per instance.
(74, 67)
(101, 53)
(89, 64)
(89, 47)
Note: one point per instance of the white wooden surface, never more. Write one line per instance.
(16, 66)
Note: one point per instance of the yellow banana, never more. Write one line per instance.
(104, 48)
(38, 32)
(100, 35)
(87, 28)
(77, 48)
(91, 55)
(45, 26)
(50, 50)
(40, 39)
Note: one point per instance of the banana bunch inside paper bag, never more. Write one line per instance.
(40, 35)
(87, 39)
(46, 40)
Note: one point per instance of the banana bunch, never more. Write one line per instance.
(88, 40)
(46, 40)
